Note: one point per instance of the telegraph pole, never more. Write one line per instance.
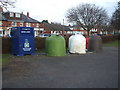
(63, 28)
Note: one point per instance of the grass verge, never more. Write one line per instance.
(6, 59)
(112, 44)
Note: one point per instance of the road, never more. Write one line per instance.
(92, 70)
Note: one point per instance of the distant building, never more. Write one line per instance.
(54, 28)
(15, 19)
(77, 29)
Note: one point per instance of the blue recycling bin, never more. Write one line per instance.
(22, 40)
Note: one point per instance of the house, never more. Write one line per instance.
(77, 29)
(15, 19)
(55, 28)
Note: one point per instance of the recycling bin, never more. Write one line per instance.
(95, 43)
(77, 44)
(22, 40)
(55, 45)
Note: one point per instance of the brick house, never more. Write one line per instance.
(54, 28)
(14, 19)
(77, 29)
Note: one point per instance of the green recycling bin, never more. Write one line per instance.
(55, 45)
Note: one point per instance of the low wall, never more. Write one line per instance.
(40, 42)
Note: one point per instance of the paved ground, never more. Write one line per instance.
(92, 70)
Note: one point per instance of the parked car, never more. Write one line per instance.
(44, 35)
(99, 34)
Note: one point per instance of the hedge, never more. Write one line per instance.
(40, 42)
(6, 44)
(107, 39)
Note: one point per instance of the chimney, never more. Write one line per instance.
(1, 9)
(27, 14)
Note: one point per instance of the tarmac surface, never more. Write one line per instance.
(92, 70)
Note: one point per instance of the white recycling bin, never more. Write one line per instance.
(77, 44)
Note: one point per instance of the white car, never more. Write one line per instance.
(44, 35)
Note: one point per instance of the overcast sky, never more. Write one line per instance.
(55, 10)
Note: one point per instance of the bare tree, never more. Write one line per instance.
(87, 16)
(7, 3)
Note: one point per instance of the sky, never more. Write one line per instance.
(55, 10)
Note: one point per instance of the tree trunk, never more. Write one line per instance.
(88, 33)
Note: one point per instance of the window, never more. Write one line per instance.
(37, 25)
(11, 14)
(21, 24)
(27, 24)
(41, 29)
(14, 24)
(0, 23)
(17, 15)
(0, 32)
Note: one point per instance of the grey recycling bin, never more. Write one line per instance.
(95, 43)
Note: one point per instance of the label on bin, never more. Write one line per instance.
(26, 45)
(25, 31)
(26, 49)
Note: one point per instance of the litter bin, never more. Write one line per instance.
(22, 40)
(55, 45)
(95, 43)
(77, 44)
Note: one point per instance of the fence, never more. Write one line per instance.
(40, 42)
